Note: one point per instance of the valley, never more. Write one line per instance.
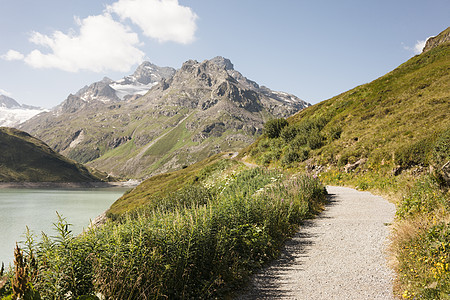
(204, 220)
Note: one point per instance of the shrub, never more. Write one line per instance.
(293, 155)
(299, 141)
(315, 139)
(289, 157)
(414, 154)
(441, 149)
(273, 127)
(197, 250)
(424, 198)
(334, 133)
(288, 133)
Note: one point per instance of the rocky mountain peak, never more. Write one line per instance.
(147, 73)
(8, 102)
(223, 62)
(441, 38)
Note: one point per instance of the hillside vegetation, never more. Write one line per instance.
(26, 159)
(391, 136)
(196, 233)
(201, 231)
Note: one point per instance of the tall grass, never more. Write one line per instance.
(203, 245)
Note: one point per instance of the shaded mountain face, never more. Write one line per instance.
(12, 113)
(203, 108)
(24, 158)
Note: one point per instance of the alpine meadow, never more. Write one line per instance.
(229, 171)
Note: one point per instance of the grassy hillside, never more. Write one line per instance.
(24, 158)
(201, 231)
(375, 122)
(391, 136)
(197, 233)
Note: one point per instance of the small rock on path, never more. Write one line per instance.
(339, 255)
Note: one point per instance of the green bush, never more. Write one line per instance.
(201, 244)
(334, 133)
(441, 149)
(288, 133)
(414, 154)
(272, 128)
(315, 139)
(293, 155)
(424, 198)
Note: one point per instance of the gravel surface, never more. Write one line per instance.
(338, 255)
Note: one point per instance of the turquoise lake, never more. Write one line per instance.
(36, 208)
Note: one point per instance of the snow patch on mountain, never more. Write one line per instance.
(11, 117)
(123, 90)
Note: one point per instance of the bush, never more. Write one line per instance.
(334, 133)
(315, 139)
(289, 157)
(293, 155)
(288, 133)
(273, 127)
(441, 149)
(181, 248)
(299, 141)
(424, 198)
(414, 154)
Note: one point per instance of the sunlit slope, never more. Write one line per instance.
(391, 122)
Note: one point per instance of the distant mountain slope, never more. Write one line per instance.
(390, 124)
(12, 113)
(24, 158)
(204, 108)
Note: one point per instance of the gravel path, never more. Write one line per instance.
(338, 255)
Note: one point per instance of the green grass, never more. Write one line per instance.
(27, 159)
(201, 241)
(390, 136)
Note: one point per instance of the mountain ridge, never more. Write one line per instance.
(27, 159)
(203, 108)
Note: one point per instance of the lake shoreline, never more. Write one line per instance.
(68, 185)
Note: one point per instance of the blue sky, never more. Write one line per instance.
(313, 49)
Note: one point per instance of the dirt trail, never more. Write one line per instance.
(338, 255)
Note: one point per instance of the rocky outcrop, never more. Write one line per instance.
(441, 38)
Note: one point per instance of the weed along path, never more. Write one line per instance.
(339, 255)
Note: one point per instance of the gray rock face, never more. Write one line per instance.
(109, 91)
(199, 110)
(441, 38)
(149, 73)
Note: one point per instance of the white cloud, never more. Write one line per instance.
(12, 55)
(5, 93)
(164, 20)
(102, 44)
(418, 47)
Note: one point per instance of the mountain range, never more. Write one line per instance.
(12, 113)
(161, 119)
